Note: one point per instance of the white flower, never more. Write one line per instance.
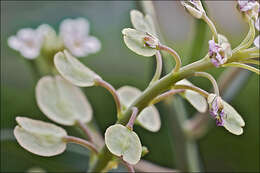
(74, 33)
(257, 40)
(27, 41)
(249, 7)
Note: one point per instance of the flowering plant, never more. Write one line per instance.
(59, 97)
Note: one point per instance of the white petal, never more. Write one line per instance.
(30, 53)
(14, 43)
(256, 42)
(79, 26)
(92, 44)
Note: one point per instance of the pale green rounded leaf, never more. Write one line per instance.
(232, 121)
(134, 40)
(38, 137)
(122, 141)
(195, 99)
(149, 118)
(141, 22)
(61, 101)
(73, 70)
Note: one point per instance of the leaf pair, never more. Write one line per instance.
(141, 40)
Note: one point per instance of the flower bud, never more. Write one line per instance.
(194, 7)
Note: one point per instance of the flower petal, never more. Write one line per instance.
(257, 41)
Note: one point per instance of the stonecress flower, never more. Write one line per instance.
(194, 7)
(219, 52)
(216, 110)
(249, 7)
(27, 41)
(74, 33)
(257, 40)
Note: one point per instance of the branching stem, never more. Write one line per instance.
(85, 129)
(158, 71)
(211, 26)
(165, 95)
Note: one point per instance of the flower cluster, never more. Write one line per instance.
(73, 33)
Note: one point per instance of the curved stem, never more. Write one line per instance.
(131, 122)
(158, 71)
(236, 64)
(165, 95)
(250, 61)
(174, 54)
(211, 26)
(85, 129)
(112, 90)
(193, 88)
(249, 39)
(81, 142)
(210, 78)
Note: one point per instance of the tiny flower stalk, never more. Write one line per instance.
(112, 90)
(132, 119)
(244, 66)
(193, 88)
(158, 71)
(174, 54)
(85, 129)
(81, 142)
(210, 78)
(166, 95)
(211, 26)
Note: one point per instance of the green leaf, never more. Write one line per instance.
(122, 141)
(232, 121)
(62, 102)
(141, 22)
(73, 70)
(40, 138)
(194, 98)
(134, 40)
(149, 118)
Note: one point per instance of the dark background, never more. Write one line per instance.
(219, 150)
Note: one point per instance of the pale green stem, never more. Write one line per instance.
(158, 71)
(129, 167)
(250, 61)
(210, 78)
(193, 88)
(211, 26)
(236, 64)
(174, 54)
(165, 95)
(249, 39)
(81, 142)
(112, 90)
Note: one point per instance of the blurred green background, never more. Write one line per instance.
(219, 150)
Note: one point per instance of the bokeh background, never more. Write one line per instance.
(218, 149)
